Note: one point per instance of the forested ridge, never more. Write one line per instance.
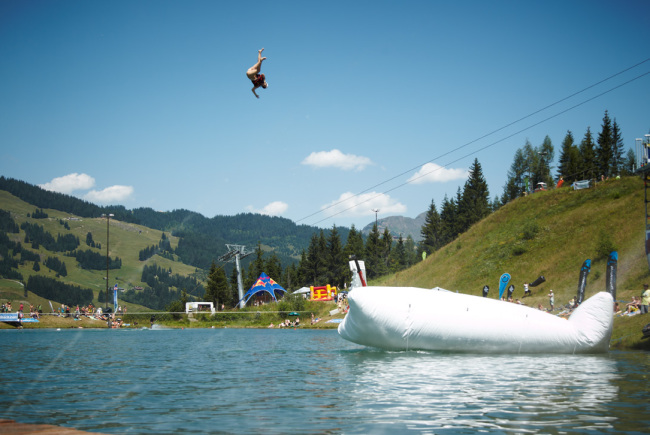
(202, 239)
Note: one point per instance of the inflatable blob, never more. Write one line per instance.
(408, 318)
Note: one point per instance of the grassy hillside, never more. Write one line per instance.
(126, 241)
(551, 234)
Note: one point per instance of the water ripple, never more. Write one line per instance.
(287, 381)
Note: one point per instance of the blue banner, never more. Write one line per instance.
(13, 317)
(503, 283)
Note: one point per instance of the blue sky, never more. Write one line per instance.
(146, 103)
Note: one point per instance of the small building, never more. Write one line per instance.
(199, 307)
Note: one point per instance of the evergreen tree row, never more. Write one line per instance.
(56, 265)
(163, 287)
(457, 214)
(37, 236)
(163, 246)
(7, 223)
(8, 264)
(590, 159)
(53, 289)
(157, 297)
(38, 214)
(26, 255)
(91, 260)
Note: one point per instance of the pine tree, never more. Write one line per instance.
(618, 149)
(338, 271)
(234, 286)
(588, 167)
(570, 160)
(304, 276)
(223, 293)
(430, 231)
(273, 268)
(515, 185)
(316, 266)
(412, 256)
(447, 221)
(604, 150)
(629, 163)
(216, 288)
(210, 286)
(398, 257)
(546, 155)
(475, 200)
(372, 255)
(354, 244)
(385, 247)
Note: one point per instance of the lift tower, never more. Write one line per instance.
(236, 253)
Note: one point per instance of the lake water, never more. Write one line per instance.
(307, 381)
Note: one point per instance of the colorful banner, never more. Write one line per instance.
(503, 283)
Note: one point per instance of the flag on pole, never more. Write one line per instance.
(115, 298)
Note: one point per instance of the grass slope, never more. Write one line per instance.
(549, 233)
(126, 242)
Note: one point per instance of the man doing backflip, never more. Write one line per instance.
(253, 73)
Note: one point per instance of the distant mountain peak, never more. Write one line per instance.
(399, 225)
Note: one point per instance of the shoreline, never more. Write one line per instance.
(626, 335)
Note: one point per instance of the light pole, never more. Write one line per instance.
(108, 219)
(376, 210)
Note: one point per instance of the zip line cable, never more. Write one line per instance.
(479, 149)
(473, 141)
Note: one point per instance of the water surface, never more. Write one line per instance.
(306, 381)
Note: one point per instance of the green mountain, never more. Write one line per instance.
(27, 253)
(201, 240)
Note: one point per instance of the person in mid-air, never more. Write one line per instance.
(253, 73)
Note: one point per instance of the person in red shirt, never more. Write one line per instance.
(253, 73)
(560, 183)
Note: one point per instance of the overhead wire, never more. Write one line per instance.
(476, 140)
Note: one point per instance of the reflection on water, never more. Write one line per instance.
(288, 381)
(433, 391)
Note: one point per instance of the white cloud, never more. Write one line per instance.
(275, 208)
(351, 205)
(69, 183)
(110, 195)
(336, 159)
(432, 173)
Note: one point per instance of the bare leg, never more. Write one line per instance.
(255, 69)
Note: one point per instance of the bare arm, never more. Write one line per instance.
(256, 96)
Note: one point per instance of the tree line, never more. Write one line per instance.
(37, 236)
(91, 260)
(163, 246)
(592, 158)
(163, 288)
(53, 289)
